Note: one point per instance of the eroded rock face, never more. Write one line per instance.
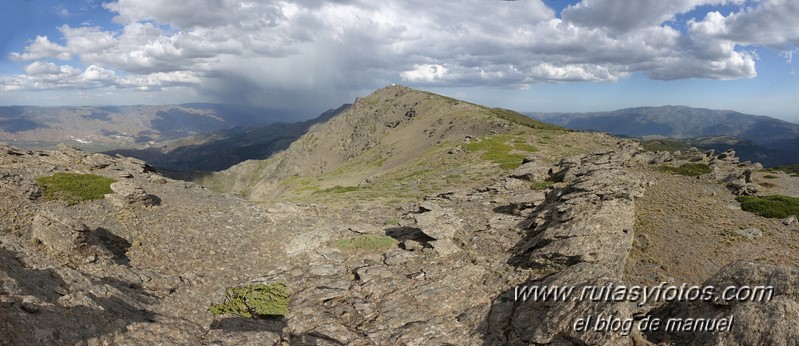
(60, 232)
(129, 193)
(772, 320)
(440, 224)
(582, 236)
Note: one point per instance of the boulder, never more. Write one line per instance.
(440, 224)
(60, 232)
(768, 319)
(128, 193)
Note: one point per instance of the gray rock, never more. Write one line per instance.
(751, 233)
(440, 224)
(325, 269)
(128, 193)
(790, 220)
(767, 321)
(60, 232)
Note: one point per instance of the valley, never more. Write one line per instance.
(405, 218)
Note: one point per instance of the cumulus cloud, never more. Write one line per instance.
(264, 50)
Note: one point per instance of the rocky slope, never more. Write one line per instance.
(400, 143)
(144, 264)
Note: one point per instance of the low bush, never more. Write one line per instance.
(259, 300)
(74, 187)
(775, 206)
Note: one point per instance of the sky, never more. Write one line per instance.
(314, 55)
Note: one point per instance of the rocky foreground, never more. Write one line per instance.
(143, 265)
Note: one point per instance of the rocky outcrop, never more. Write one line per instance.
(580, 237)
(440, 224)
(767, 314)
(60, 232)
(127, 193)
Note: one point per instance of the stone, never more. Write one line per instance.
(767, 321)
(128, 193)
(790, 220)
(440, 224)
(60, 232)
(751, 233)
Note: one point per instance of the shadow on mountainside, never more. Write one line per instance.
(189, 157)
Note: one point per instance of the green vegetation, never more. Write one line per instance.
(793, 170)
(338, 189)
(542, 185)
(393, 220)
(775, 206)
(767, 184)
(688, 169)
(258, 300)
(524, 120)
(770, 176)
(656, 145)
(74, 187)
(497, 150)
(366, 243)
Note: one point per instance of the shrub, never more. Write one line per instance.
(259, 300)
(366, 243)
(688, 169)
(74, 187)
(775, 206)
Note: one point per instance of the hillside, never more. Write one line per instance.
(446, 243)
(399, 143)
(111, 127)
(757, 138)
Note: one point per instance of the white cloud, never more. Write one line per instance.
(264, 50)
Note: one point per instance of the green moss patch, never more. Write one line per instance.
(770, 176)
(366, 243)
(775, 206)
(74, 187)
(259, 300)
(688, 169)
(542, 185)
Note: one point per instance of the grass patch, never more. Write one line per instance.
(688, 169)
(770, 176)
(366, 243)
(767, 184)
(338, 189)
(496, 150)
(393, 220)
(258, 300)
(793, 170)
(775, 206)
(74, 187)
(542, 185)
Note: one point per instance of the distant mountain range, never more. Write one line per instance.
(108, 127)
(220, 150)
(755, 137)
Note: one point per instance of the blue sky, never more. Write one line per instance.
(527, 55)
